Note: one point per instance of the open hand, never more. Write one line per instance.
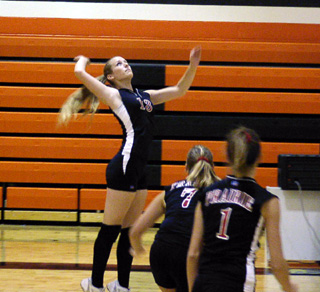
(139, 251)
(85, 59)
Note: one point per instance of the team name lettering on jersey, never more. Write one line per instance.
(229, 196)
(181, 184)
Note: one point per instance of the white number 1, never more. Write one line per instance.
(224, 222)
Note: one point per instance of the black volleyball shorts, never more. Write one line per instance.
(131, 177)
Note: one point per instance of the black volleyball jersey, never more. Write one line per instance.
(232, 222)
(181, 200)
(136, 118)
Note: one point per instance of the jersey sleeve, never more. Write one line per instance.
(264, 196)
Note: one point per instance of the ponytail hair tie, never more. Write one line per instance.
(248, 137)
(203, 158)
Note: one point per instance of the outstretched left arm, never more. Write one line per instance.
(181, 88)
(145, 221)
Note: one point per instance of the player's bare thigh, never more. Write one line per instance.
(122, 207)
(136, 208)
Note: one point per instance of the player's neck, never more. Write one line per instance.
(249, 173)
(124, 84)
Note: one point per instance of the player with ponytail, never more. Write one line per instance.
(229, 219)
(169, 251)
(126, 172)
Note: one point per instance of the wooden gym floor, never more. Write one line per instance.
(51, 258)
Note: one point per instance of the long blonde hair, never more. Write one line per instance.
(200, 166)
(82, 96)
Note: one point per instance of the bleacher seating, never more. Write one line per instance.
(261, 75)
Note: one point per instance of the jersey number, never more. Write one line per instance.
(145, 104)
(224, 222)
(190, 193)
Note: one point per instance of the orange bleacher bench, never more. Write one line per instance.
(42, 198)
(59, 198)
(158, 49)
(207, 76)
(94, 199)
(94, 173)
(193, 101)
(105, 149)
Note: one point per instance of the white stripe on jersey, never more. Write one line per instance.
(249, 285)
(124, 116)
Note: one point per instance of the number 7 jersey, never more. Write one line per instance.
(181, 200)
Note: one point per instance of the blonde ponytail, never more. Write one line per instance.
(75, 102)
(200, 167)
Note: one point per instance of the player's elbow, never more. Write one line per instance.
(193, 255)
(134, 233)
(181, 91)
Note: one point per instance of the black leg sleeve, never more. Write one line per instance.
(124, 258)
(102, 247)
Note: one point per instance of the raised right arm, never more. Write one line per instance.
(107, 95)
